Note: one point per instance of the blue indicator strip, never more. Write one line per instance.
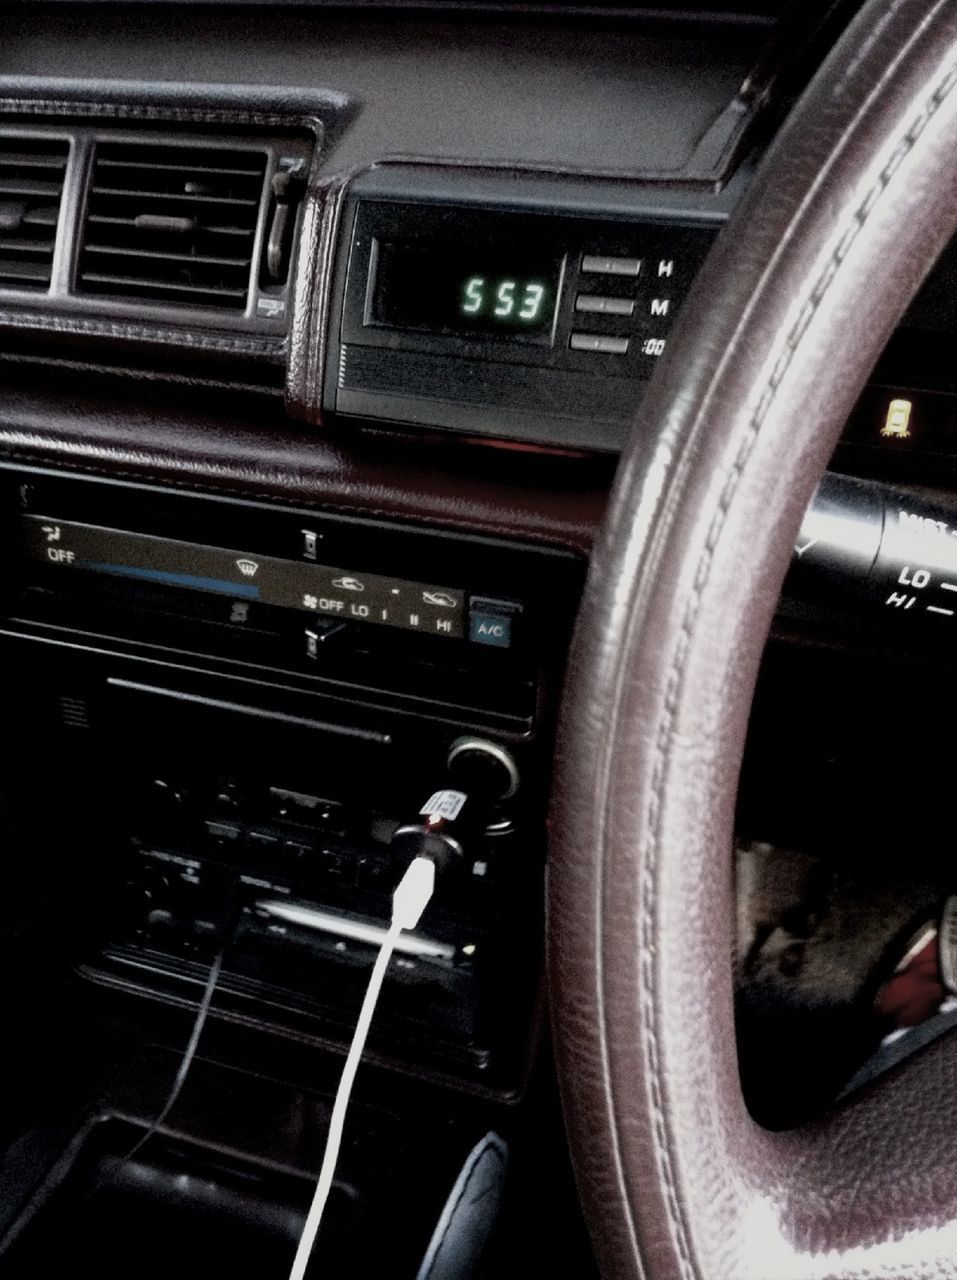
(244, 589)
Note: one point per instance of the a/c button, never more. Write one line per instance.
(491, 628)
(492, 621)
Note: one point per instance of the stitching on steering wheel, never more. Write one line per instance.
(676, 673)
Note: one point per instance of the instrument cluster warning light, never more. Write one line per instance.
(897, 421)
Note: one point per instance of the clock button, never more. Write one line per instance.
(601, 265)
(602, 342)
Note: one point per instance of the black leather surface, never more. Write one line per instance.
(206, 439)
(567, 94)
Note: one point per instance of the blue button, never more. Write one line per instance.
(491, 628)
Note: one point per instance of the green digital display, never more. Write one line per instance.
(508, 292)
(510, 302)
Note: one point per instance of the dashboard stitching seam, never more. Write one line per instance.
(676, 673)
(148, 111)
(140, 333)
(327, 216)
(302, 365)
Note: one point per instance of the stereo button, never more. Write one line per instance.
(263, 840)
(376, 874)
(335, 867)
(162, 921)
(223, 835)
(298, 855)
(289, 803)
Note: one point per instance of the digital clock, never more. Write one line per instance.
(481, 304)
(510, 292)
(509, 302)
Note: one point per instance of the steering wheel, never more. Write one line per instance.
(848, 211)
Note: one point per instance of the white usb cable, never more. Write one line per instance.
(408, 902)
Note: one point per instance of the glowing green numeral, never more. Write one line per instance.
(506, 298)
(532, 302)
(473, 295)
(526, 308)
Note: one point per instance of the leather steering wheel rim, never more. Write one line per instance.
(847, 213)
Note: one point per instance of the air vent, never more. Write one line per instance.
(31, 184)
(175, 225)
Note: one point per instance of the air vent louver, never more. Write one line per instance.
(31, 184)
(172, 224)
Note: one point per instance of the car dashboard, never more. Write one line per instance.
(321, 330)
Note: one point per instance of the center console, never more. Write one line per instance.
(226, 711)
